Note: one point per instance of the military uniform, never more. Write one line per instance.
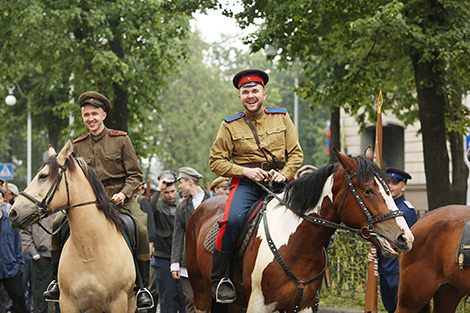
(389, 268)
(235, 141)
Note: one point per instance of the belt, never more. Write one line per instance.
(113, 181)
(267, 166)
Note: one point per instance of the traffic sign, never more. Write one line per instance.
(6, 171)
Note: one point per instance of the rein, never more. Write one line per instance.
(43, 212)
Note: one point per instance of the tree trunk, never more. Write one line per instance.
(334, 128)
(459, 169)
(431, 114)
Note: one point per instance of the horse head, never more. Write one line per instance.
(44, 191)
(366, 204)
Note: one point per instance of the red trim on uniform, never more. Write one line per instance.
(251, 78)
(223, 222)
(256, 210)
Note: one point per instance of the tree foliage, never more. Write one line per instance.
(415, 51)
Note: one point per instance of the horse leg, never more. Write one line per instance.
(67, 306)
(414, 294)
(447, 298)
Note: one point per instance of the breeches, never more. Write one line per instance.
(243, 194)
(131, 207)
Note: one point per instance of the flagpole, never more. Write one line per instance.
(373, 273)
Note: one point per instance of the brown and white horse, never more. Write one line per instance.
(430, 269)
(283, 269)
(96, 269)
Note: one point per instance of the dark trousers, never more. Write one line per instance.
(389, 291)
(14, 288)
(26, 269)
(243, 194)
(167, 286)
(41, 276)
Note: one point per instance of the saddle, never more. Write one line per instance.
(463, 255)
(129, 232)
(250, 225)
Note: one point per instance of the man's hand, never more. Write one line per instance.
(255, 174)
(118, 198)
(162, 184)
(175, 274)
(276, 176)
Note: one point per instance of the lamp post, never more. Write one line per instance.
(10, 100)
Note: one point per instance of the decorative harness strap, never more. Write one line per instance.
(300, 284)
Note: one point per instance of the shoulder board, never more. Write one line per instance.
(82, 137)
(114, 133)
(275, 110)
(409, 205)
(234, 117)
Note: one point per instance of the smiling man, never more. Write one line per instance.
(263, 145)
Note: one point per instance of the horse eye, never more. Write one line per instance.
(369, 191)
(43, 176)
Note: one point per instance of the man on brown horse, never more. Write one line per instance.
(111, 155)
(245, 139)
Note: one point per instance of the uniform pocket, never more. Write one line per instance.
(276, 136)
(244, 143)
(113, 163)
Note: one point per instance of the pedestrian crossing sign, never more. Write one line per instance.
(6, 171)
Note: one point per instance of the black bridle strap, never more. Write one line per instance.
(300, 284)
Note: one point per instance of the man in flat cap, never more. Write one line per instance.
(389, 268)
(263, 145)
(164, 210)
(220, 186)
(188, 179)
(111, 155)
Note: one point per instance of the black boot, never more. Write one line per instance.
(222, 288)
(52, 292)
(144, 299)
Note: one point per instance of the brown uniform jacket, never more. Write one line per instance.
(235, 141)
(112, 156)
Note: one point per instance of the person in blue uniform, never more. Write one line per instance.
(389, 268)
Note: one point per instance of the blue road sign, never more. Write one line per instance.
(6, 171)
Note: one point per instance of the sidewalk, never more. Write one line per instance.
(323, 309)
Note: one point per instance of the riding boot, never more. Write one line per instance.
(222, 287)
(144, 299)
(52, 292)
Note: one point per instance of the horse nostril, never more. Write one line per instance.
(12, 214)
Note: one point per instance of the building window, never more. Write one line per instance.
(393, 146)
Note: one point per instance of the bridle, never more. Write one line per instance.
(322, 222)
(43, 205)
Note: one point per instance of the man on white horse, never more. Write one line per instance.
(111, 155)
(245, 139)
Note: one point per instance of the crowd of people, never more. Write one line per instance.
(256, 146)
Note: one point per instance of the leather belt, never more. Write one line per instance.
(113, 182)
(267, 166)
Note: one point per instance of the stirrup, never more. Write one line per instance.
(224, 281)
(49, 287)
(144, 290)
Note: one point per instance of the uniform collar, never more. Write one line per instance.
(400, 199)
(103, 133)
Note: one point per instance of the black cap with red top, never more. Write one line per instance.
(248, 78)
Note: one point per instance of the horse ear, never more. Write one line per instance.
(51, 151)
(65, 152)
(347, 163)
(369, 153)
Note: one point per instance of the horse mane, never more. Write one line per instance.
(102, 201)
(303, 194)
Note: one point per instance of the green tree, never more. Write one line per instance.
(415, 51)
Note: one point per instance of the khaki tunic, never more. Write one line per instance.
(235, 141)
(112, 156)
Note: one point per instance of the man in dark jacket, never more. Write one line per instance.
(188, 179)
(164, 210)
